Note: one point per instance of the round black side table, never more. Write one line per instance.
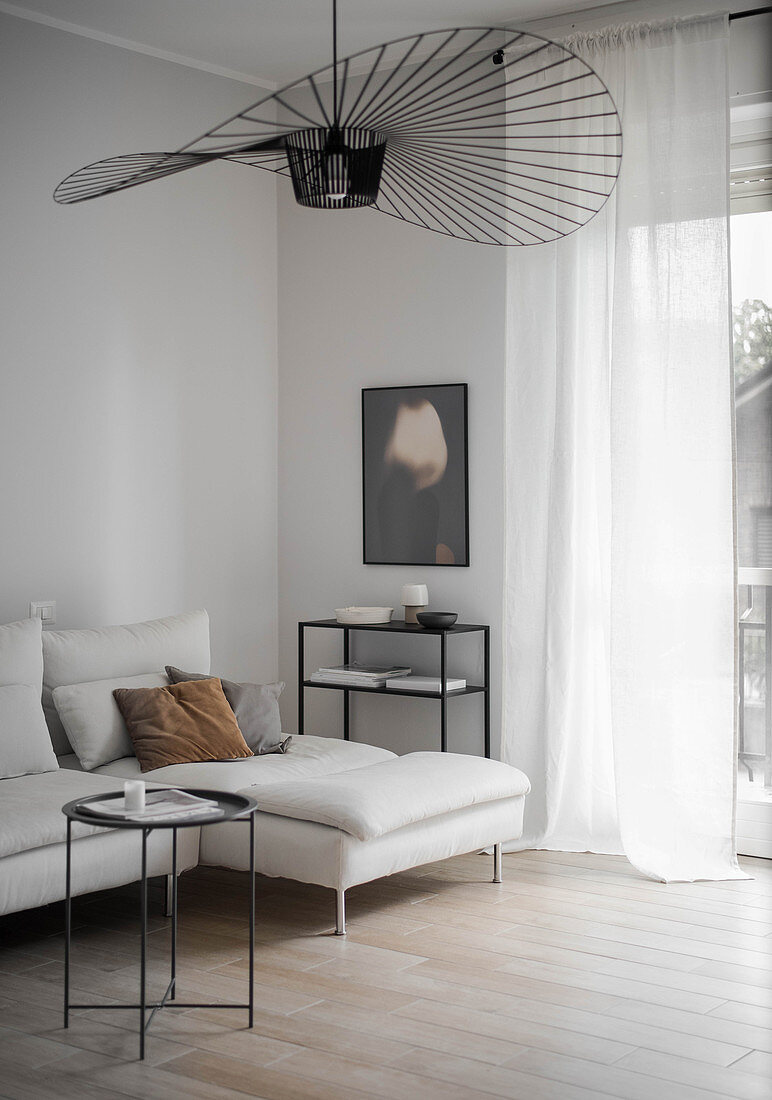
(233, 807)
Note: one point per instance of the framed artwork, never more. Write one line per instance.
(415, 478)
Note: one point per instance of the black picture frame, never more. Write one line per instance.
(415, 475)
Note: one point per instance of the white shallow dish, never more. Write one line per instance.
(362, 616)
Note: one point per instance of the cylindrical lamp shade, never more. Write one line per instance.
(414, 595)
(336, 168)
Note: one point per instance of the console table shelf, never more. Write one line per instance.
(399, 627)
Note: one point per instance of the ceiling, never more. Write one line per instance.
(273, 41)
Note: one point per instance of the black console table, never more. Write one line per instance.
(399, 627)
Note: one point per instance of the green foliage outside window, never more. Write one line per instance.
(752, 335)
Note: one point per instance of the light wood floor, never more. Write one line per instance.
(574, 979)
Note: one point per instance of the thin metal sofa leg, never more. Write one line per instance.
(168, 892)
(340, 912)
(497, 863)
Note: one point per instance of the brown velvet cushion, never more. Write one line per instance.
(181, 724)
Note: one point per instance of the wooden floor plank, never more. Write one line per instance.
(654, 899)
(501, 1081)
(615, 1081)
(479, 1046)
(419, 985)
(262, 1081)
(670, 1069)
(592, 1021)
(543, 1037)
(694, 1024)
(756, 1062)
(389, 1082)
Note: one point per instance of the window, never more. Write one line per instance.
(751, 238)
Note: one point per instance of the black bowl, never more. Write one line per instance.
(437, 620)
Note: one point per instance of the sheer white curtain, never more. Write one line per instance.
(619, 604)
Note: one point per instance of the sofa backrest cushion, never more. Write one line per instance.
(102, 653)
(25, 747)
(21, 654)
(92, 721)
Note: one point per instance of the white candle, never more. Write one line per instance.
(134, 795)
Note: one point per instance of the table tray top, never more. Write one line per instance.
(233, 806)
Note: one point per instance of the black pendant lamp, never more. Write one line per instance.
(483, 134)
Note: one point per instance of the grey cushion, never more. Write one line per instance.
(256, 707)
(25, 747)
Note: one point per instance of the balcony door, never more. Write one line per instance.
(751, 239)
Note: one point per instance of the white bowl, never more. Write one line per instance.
(361, 616)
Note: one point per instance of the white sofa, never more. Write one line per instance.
(332, 812)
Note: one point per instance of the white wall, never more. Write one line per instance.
(365, 300)
(138, 354)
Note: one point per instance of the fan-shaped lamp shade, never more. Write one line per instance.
(495, 136)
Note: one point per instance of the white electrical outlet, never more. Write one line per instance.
(45, 610)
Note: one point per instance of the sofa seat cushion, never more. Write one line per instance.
(370, 801)
(305, 756)
(31, 808)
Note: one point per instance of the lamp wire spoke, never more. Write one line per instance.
(375, 119)
(503, 113)
(466, 201)
(426, 79)
(500, 97)
(354, 120)
(472, 166)
(505, 188)
(498, 75)
(503, 212)
(450, 214)
(440, 208)
(366, 85)
(493, 153)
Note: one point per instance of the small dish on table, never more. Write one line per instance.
(363, 616)
(437, 620)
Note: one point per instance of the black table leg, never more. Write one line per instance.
(251, 919)
(487, 690)
(443, 692)
(346, 694)
(173, 975)
(301, 678)
(67, 927)
(143, 948)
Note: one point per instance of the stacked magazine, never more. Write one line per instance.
(159, 806)
(358, 675)
(429, 684)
